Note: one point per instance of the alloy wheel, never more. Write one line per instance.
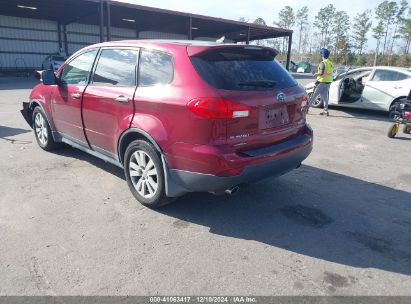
(143, 174)
(40, 127)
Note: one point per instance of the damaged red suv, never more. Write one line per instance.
(178, 116)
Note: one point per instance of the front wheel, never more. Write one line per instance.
(393, 130)
(144, 174)
(42, 130)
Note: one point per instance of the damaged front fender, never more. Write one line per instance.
(26, 112)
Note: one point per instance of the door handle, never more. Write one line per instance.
(76, 95)
(122, 99)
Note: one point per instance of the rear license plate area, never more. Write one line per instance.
(273, 117)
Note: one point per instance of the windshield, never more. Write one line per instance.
(242, 69)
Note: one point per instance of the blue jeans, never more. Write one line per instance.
(322, 90)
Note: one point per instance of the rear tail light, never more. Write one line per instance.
(217, 108)
(304, 101)
(304, 104)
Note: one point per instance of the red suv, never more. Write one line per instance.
(178, 116)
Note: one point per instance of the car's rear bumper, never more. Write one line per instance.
(277, 160)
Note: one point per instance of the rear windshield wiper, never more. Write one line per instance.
(259, 83)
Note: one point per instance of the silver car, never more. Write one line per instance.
(376, 88)
(52, 62)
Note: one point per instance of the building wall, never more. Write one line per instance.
(25, 42)
(159, 35)
(80, 35)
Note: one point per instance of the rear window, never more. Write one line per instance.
(155, 68)
(387, 75)
(242, 69)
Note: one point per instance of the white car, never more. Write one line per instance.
(52, 62)
(376, 88)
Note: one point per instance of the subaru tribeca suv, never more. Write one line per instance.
(177, 116)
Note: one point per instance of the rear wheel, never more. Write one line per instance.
(395, 110)
(393, 130)
(407, 128)
(144, 174)
(317, 103)
(42, 130)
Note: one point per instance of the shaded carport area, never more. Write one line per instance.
(82, 22)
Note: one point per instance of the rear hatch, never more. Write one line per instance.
(251, 80)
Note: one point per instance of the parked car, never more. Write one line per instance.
(304, 67)
(52, 62)
(178, 117)
(292, 68)
(340, 70)
(376, 88)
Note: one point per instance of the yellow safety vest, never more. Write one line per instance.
(328, 71)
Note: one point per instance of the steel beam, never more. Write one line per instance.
(190, 30)
(108, 21)
(290, 41)
(101, 12)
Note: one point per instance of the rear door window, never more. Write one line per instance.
(155, 68)
(244, 69)
(116, 67)
(386, 75)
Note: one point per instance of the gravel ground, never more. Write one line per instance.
(339, 225)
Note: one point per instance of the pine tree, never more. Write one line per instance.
(302, 21)
(362, 25)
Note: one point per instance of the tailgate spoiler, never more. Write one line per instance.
(193, 50)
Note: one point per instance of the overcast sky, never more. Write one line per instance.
(252, 9)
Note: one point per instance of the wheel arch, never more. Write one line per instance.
(130, 135)
(34, 104)
(395, 100)
(172, 187)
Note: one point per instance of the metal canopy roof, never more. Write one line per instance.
(141, 18)
(109, 13)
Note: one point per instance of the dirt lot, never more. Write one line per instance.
(339, 225)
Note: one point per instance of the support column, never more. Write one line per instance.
(59, 37)
(101, 13)
(108, 21)
(65, 40)
(190, 30)
(248, 36)
(290, 41)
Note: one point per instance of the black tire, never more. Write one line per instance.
(394, 110)
(318, 103)
(42, 130)
(393, 130)
(141, 152)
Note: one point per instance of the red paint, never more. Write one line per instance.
(190, 140)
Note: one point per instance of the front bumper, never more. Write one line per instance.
(291, 154)
(26, 112)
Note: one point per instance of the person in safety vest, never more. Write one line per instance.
(324, 78)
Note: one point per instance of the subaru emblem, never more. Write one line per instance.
(281, 96)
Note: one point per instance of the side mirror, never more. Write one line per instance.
(48, 77)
